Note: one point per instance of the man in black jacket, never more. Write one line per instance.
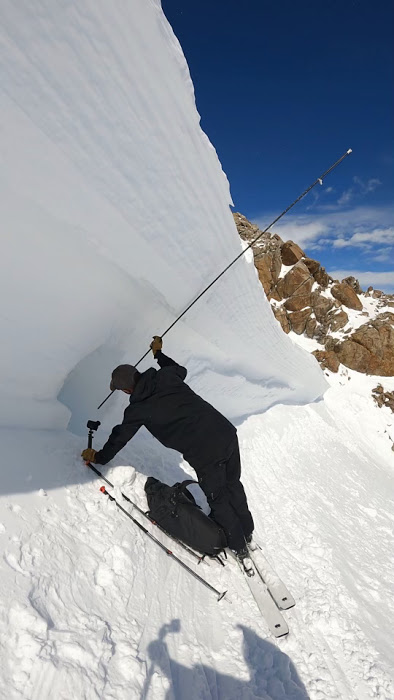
(180, 419)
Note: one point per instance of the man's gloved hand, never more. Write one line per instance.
(156, 344)
(88, 455)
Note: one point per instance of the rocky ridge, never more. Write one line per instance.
(350, 326)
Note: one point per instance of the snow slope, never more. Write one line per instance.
(115, 214)
(90, 609)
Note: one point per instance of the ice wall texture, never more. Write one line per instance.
(115, 215)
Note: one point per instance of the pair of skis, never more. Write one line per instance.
(268, 590)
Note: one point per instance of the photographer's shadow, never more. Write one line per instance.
(272, 673)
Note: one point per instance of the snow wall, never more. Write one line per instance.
(114, 216)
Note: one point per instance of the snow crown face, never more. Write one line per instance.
(124, 377)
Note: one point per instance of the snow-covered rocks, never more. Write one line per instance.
(306, 301)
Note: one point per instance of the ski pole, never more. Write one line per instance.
(92, 427)
(318, 180)
(163, 547)
(199, 557)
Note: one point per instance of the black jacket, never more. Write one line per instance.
(173, 414)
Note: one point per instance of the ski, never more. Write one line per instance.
(265, 603)
(277, 589)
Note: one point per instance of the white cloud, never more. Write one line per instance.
(362, 227)
(378, 280)
(384, 255)
(346, 197)
(360, 189)
(367, 239)
(369, 186)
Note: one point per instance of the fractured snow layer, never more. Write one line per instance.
(115, 215)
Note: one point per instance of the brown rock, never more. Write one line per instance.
(321, 306)
(322, 277)
(297, 302)
(274, 294)
(280, 288)
(298, 320)
(369, 337)
(347, 296)
(383, 398)
(377, 293)
(337, 320)
(298, 280)
(355, 284)
(310, 327)
(378, 389)
(328, 359)
(282, 317)
(385, 317)
(320, 332)
(331, 344)
(291, 253)
(371, 348)
(276, 264)
(268, 264)
(246, 229)
(263, 266)
(312, 265)
(354, 356)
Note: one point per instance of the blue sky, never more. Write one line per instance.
(284, 88)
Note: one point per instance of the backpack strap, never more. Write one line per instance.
(181, 489)
(182, 486)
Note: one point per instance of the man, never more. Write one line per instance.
(180, 419)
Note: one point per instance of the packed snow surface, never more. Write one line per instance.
(115, 215)
(91, 608)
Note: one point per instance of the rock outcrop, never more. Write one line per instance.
(328, 359)
(305, 299)
(346, 295)
(383, 398)
(291, 253)
(370, 349)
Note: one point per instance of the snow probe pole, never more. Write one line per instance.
(318, 181)
(164, 548)
(145, 514)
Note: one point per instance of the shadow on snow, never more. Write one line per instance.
(273, 675)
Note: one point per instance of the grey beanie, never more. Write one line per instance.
(124, 377)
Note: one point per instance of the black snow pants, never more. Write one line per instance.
(226, 496)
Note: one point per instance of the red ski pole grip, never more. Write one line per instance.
(102, 489)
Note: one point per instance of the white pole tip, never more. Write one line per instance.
(349, 151)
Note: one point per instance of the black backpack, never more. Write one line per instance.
(175, 510)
